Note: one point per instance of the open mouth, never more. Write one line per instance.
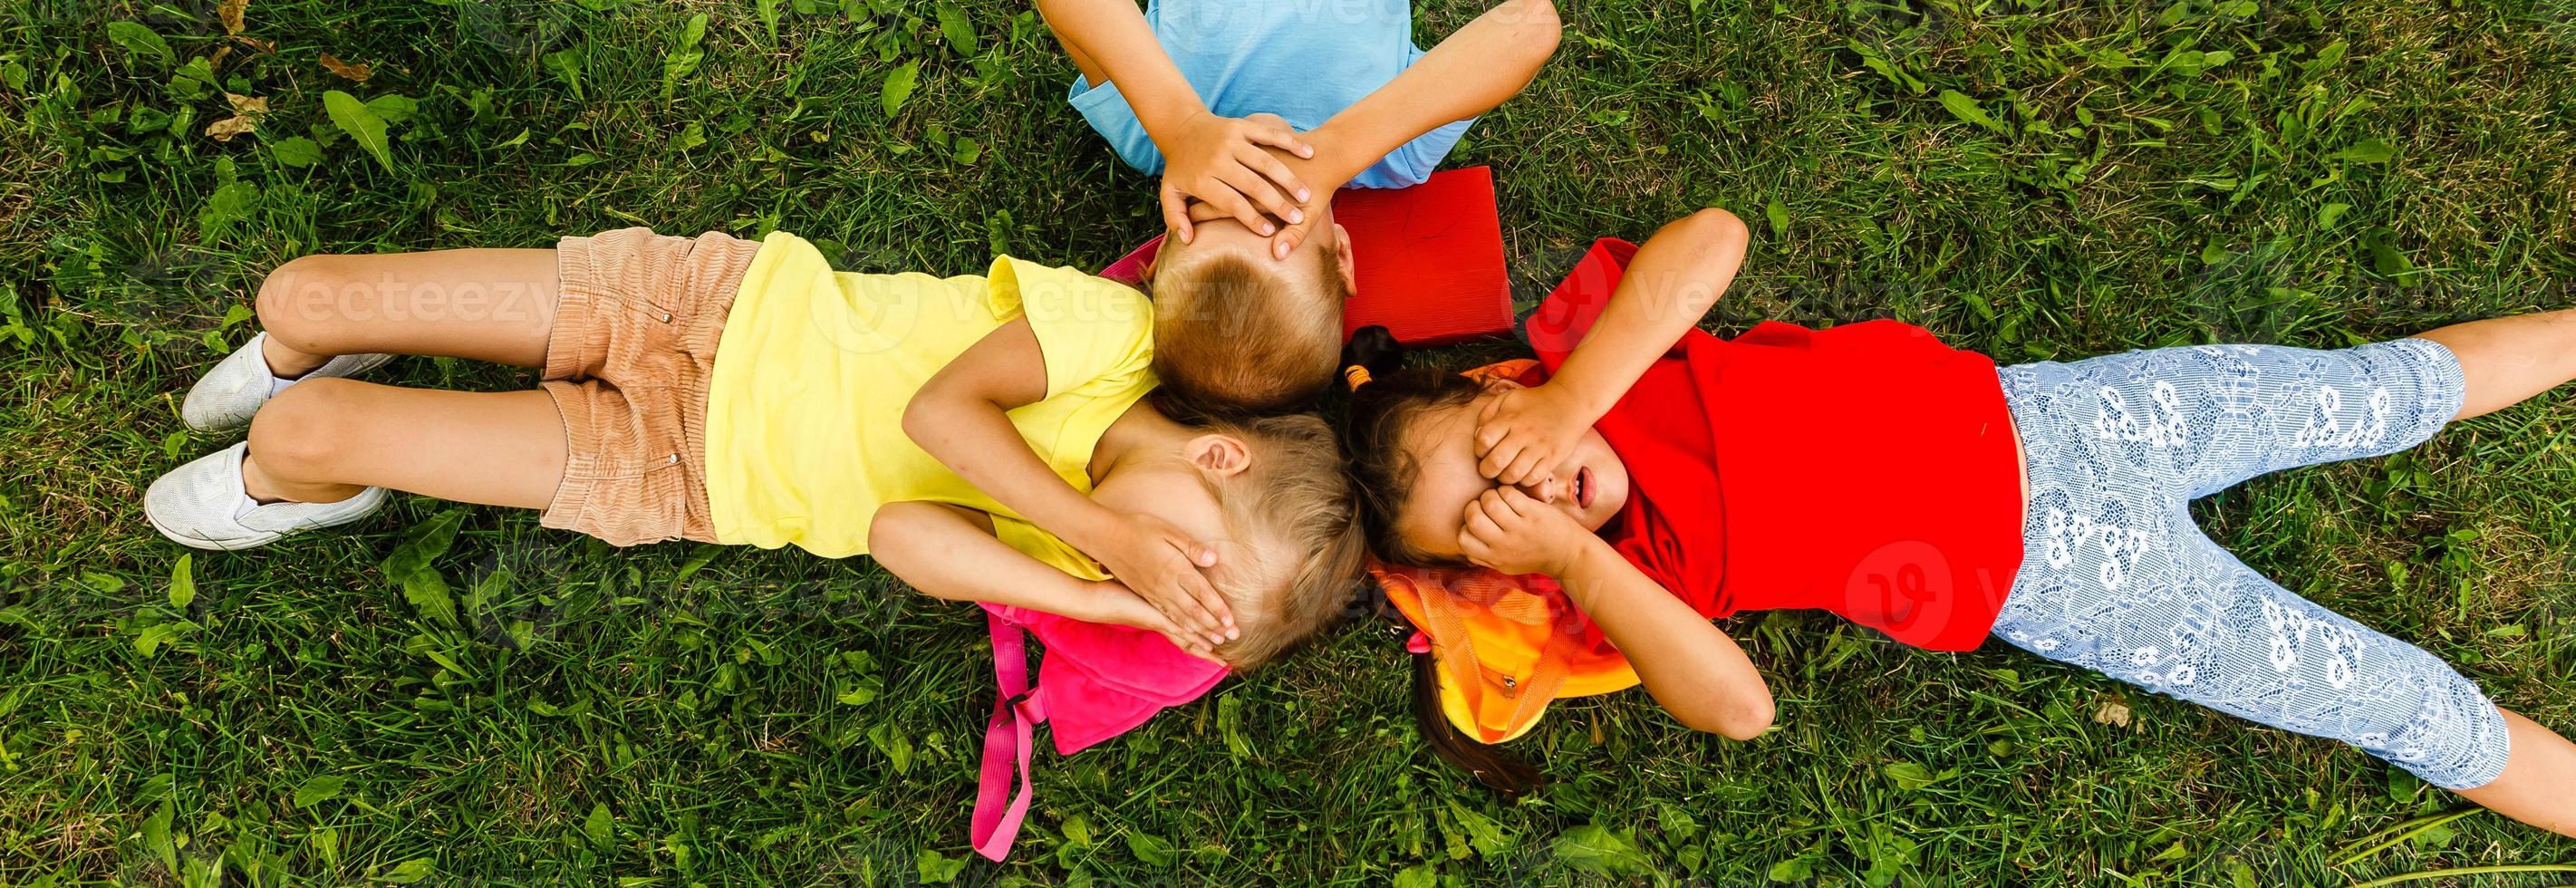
(1583, 488)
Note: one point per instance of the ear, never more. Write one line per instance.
(1349, 267)
(1221, 455)
(1499, 384)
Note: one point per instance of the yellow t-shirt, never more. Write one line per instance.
(804, 425)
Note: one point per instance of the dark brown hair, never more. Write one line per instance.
(1382, 410)
(1234, 337)
(1386, 399)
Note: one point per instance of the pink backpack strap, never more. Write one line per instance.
(1008, 740)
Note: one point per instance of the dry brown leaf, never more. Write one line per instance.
(247, 112)
(231, 12)
(355, 73)
(224, 130)
(2113, 712)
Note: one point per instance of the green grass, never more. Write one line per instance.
(2100, 180)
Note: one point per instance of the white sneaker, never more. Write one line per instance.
(203, 505)
(233, 392)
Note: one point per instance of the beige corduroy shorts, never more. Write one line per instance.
(637, 319)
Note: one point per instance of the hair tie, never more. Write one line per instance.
(1356, 375)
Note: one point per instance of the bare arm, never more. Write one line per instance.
(950, 552)
(1218, 160)
(1676, 277)
(1478, 67)
(1673, 281)
(961, 417)
(1692, 667)
(1696, 671)
(1114, 35)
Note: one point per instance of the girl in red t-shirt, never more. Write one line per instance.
(1665, 477)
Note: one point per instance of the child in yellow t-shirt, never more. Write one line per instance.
(989, 438)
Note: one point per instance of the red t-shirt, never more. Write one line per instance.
(1867, 469)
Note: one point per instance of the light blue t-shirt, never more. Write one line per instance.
(1304, 60)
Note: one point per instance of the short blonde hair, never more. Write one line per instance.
(1297, 508)
(1235, 336)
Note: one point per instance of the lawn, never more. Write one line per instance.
(455, 696)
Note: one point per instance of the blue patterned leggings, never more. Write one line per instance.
(2118, 579)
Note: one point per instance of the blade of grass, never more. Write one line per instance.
(2466, 871)
(2401, 833)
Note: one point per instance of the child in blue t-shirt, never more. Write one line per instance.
(1302, 61)
(1255, 112)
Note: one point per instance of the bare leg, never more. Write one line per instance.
(2508, 361)
(488, 305)
(2537, 783)
(324, 439)
(2511, 360)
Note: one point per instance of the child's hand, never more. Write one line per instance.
(1161, 564)
(1524, 432)
(1219, 161)
(1292, 231)
(1281, 244)
(1508, 531)
(1120, 606)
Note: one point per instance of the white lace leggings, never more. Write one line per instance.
(2118, 579)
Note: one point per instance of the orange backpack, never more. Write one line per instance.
(1504, 646)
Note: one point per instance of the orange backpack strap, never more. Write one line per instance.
(1554, 662)
(1466, 631)
(1457, 648)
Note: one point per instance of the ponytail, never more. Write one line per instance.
(1385, 398)
(1372, 352)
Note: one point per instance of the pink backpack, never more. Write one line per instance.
(1095, 682)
